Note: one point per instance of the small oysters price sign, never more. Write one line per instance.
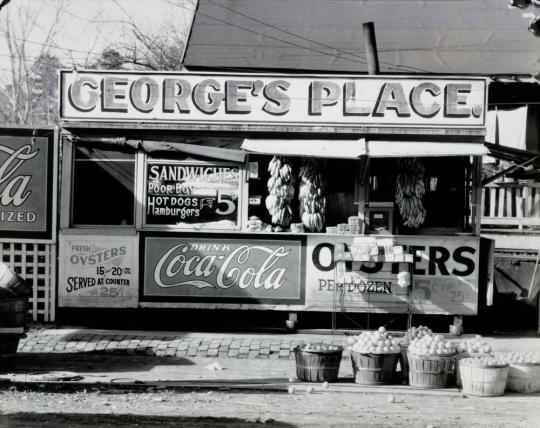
(99, 271)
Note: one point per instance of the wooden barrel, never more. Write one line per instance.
(374, 369)
(317, 366)
(523, 377)
(483, 381)
(13, 312)
(431, 371)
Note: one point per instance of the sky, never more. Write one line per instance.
(85, 27)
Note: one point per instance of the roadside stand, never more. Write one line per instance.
(283, 192)
(238, 190)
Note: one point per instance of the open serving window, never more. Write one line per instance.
(102, 186)
(359, 187)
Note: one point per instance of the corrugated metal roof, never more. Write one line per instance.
(443, 36)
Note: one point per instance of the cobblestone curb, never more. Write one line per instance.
(281, 347)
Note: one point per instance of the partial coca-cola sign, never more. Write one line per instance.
(25, 186)
(222, 269)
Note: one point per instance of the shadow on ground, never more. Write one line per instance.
(72, 420)
(100, 362)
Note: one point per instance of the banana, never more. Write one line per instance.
(410, 189)
(312, 201)
(281, 191)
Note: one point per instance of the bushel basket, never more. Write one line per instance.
(463, 355)
(483, 380)
(430, 371)
(317, 366)
(374, 369)
(8, 349)
(13, 312)
(523, 377)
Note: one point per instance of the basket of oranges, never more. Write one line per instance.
(374, 357)
(484, 376)
(524, 372)
(411, 334)
(431, 362)
(472, 348)
(318, 362)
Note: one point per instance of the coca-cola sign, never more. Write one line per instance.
(222, 269)
(25, 186)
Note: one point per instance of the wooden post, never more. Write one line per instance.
(538, 312)
(476, 202)
(370, 43)
(361, 189)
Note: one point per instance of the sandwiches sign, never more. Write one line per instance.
(269, 99)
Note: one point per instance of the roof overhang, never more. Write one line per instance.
(351, 149)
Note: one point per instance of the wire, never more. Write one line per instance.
(363, 62)
(390, 65)
(34, 57)
(54, 46)
(307, 39)
(100, 21)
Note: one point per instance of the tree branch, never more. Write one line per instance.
(4, 3)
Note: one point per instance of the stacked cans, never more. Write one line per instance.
(255, 224)
(297, 227)
(354, 225)
(342, 228)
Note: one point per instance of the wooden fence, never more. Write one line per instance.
(511, 205)
(37, 264)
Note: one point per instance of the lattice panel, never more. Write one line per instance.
(36, 263)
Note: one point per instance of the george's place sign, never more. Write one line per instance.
(265, 99)
(222, 269)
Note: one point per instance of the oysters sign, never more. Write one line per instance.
(25, 186)
(228, 270)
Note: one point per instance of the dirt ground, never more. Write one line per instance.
(321, 408)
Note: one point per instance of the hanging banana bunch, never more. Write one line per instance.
(281, 191)
(311, 194)
(410, 189)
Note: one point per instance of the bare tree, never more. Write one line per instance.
(30, 85)
(4, 3)
(159, 49)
